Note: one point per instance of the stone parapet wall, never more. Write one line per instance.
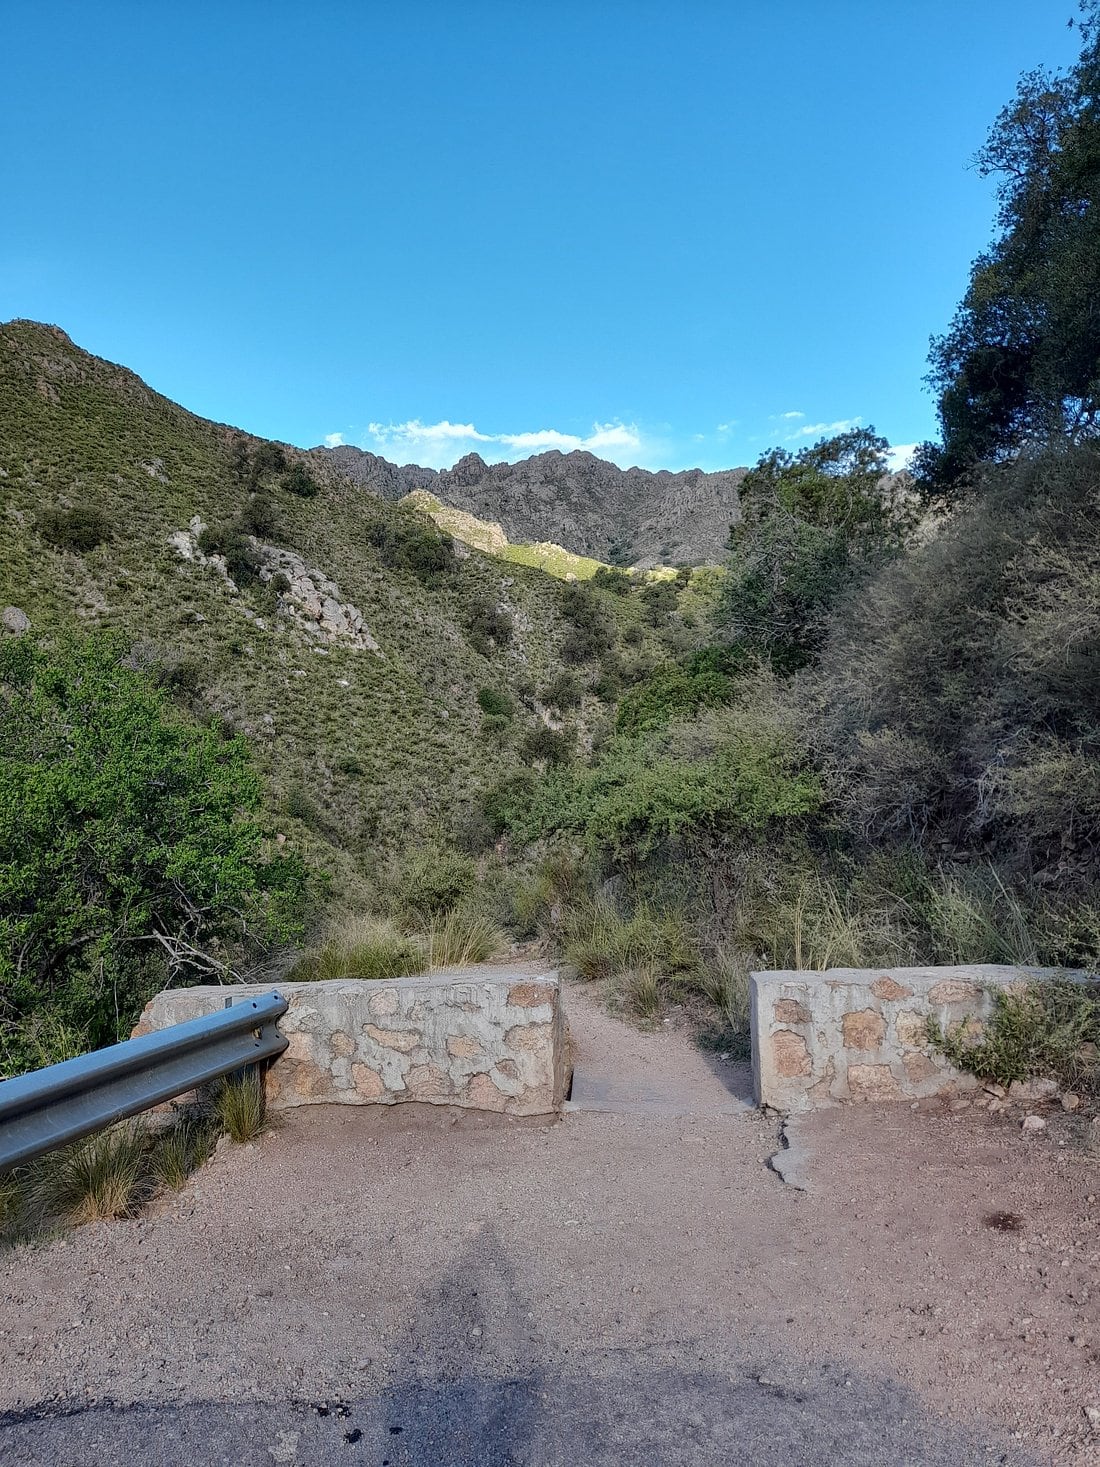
(488, 1039)
(861, 1033)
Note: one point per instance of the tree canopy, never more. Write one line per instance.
(808, 521)
(130, 853)
(1020, 362)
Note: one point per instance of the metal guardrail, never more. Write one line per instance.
(61, 1103)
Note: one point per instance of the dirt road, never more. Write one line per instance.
(632, 1283)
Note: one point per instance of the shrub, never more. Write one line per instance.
(959, 691)
(128, 843)
(736, 771)
(298, 480)
(672, 692)
(409, 542)
(268, 460)
(659, 600)
(432, 881)
(609, 681)
(507, 803)
(81, 528)
(814, 525)
(611, 578)
(182, 678)
(1048, 1029)
(563, 692)
(228, 539)
(592, 630)
(488, 628)
(586, 644)
(544, 745)
(259, 518)
(496, 703)
(274, 589)
(33, 1041)
(240, 462)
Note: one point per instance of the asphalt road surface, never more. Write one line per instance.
(632, 1415)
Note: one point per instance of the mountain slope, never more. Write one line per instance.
(589, 506)
(362, 748)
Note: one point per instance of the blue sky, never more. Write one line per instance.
(674, 233)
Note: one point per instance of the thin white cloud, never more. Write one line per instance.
(415, 431)
(791, 416)
(333, 440)
(609, 437)
(540, 441)
(440, 445)
(900, 456)
(818, 430)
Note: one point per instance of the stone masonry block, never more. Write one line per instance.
(864, 1029)
(862, 1034)
(488, 1039)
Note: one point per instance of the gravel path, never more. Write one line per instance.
(616, 1287)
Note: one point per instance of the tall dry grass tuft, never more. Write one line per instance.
(362, 947)
(239, 1107)
(181, 1149)
(461, 938)
(104, 1176)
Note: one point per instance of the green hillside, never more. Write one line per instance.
(362, 750)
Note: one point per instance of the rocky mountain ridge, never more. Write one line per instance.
(576, 500)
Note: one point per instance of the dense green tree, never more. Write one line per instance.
(130, 853)
(809, 521)
(81, 528)
(1020, 363)
(298, 480)
(269, 458)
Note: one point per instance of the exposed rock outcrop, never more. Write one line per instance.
(310, 598)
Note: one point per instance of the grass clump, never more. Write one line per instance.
(1047, 1028)
(641, 988)
(495, 703)
(101, 1177)
(724, 982)
(460, 938)
(361, 947)
(181, 1150)
(239, 1106)
(602, 943)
